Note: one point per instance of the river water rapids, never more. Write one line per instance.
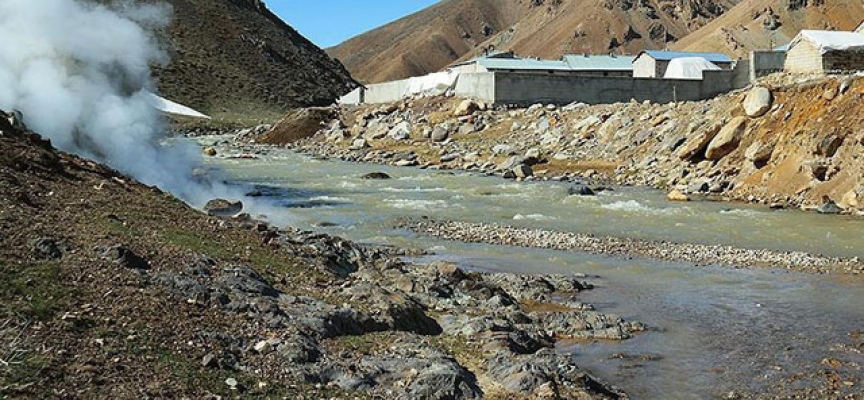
(714, 329)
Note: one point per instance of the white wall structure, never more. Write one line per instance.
(825, 51)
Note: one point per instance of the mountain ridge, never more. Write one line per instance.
(453, 30)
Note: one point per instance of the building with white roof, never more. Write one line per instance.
(825, 51)
(583, 65)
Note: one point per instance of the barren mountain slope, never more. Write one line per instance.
(765, 24)
(456, 29)
(237, 55)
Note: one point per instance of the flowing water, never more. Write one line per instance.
(714, 329)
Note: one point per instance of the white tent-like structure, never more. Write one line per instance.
(689, 68)
(827, 41)
(433, 84)
(170, 107)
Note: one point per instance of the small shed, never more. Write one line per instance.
(825, 51)
(653, 63)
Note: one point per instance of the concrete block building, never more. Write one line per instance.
(653, 63)
(825, 51)
(569, 65)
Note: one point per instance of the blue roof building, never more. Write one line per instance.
(599, 65)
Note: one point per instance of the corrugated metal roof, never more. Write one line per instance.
(522, 64)
(599, 62)
(669, 55)
(567, 63)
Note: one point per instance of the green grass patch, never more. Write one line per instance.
(243, 250)
(33, 290)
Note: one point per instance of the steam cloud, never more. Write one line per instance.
(76, 70)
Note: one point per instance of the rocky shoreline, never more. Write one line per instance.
(786, 143)
(698, 254)
(195, 305)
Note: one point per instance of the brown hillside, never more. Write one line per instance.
(456, 29)
(765, 24)
(237, 55)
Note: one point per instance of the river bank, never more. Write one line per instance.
(785, 143)
(104, 278)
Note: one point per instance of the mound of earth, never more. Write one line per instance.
(237, 57)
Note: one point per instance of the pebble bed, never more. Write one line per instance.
(699, 254)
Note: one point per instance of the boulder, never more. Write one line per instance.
(580, 190)
(359, 144)
(759, 152)
(757, 102)
(727, 140)
(209, 151)
(828, 206)
(694, 147)
(223, 208)
(466, 129)
(503, 149)
(123, 256)
(828, 146)
(851, 199)
(376, 175)
(698, 187)
(523, 171)
(402, 131)
(676, 195)
(439, 134)
(466, 107)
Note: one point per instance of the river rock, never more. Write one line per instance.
(677, 195)
(580, 190)
(727, 140)
(439, 134)
(359, 144)
(523, 171)
(757, 102)
(503, 149)
(376, 176)
(828, 206)
(851, 199)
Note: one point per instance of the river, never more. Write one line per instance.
(714, 329)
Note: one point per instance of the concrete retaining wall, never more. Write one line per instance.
(526, 89)
(357, 96)
(521, 89)
(478, 86)
(763, 63)
(386, 92)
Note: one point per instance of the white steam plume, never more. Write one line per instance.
(76, 70)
